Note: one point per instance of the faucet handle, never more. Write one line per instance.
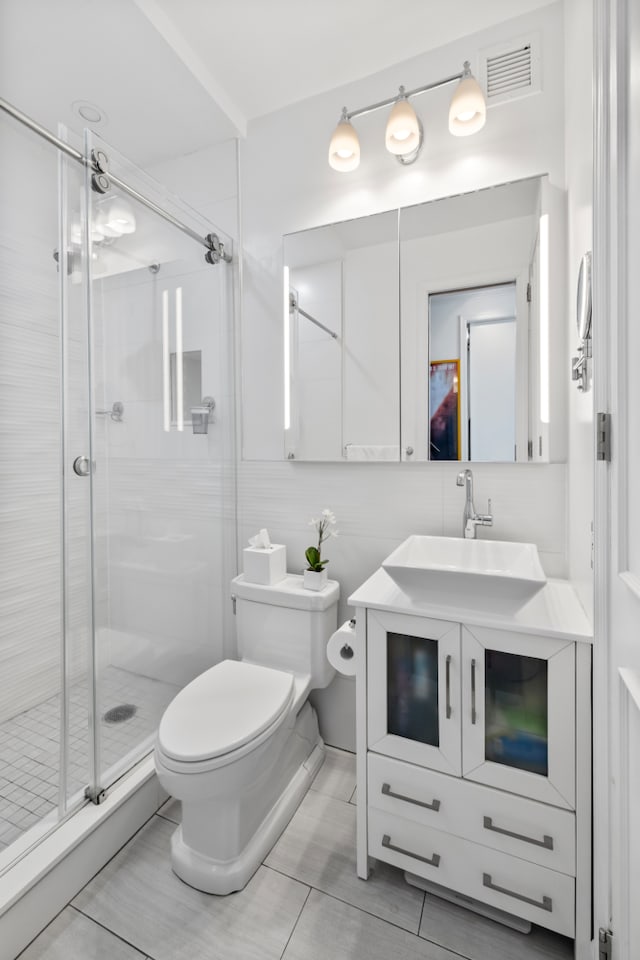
(487, 521)
(460, 479)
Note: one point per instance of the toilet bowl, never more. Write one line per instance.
(240, 745)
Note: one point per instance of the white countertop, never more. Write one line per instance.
(554, 611)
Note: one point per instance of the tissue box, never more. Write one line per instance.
(266, 565)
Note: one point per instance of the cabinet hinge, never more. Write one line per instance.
(528, 293)
(605, 945)
(603, 437)
(530, 449)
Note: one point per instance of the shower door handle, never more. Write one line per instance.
(82, 466)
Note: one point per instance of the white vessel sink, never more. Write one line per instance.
(452, 570)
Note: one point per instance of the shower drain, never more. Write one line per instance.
(119, 714)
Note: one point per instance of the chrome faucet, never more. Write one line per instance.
(470, 519)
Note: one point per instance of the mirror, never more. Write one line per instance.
(344, 389)
(427, 333)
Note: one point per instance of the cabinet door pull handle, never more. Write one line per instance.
(448, 685)
(546, 904)
(433, 861)
(474, 715)
(546, 842)
(388, 792)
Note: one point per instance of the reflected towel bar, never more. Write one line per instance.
(294, 305)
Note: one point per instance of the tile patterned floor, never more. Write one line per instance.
(304, 903)
(30, 745)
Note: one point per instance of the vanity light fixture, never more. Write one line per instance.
(404, 133)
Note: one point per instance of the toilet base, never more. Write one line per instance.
(210, 875)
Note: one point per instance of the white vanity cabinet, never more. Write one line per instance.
(474, 757)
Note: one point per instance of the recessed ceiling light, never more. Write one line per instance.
(89, 112)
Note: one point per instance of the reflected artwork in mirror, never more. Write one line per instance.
(428, 333)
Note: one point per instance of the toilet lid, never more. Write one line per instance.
(222, 709)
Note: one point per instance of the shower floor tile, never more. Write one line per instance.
(30, 745)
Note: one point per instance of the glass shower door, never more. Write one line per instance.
(159, 415)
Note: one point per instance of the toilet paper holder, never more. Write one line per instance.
(346, 652)
(342, 652)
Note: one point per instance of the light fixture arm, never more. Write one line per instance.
(405, 94)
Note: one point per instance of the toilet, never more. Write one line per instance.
(240, 745)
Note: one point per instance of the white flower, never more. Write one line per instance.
(322, 525)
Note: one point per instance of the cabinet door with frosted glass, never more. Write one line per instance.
(413, 686)
(518, 713)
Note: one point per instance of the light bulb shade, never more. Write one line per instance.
(403, 129)
(344, 149)
(121, 217)
(101, 227)
(468, 110)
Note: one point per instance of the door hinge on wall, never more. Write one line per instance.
(528, 293)
(603, 437)
(605, 944)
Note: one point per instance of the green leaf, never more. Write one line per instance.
(313, 558)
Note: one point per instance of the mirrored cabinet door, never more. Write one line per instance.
(518, 709)
(342, 341)
(413, 681)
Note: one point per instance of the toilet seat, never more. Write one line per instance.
(227, 709)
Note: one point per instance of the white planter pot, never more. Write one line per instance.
(315, 579)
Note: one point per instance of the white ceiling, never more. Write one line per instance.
(174, 76)
(266, 54)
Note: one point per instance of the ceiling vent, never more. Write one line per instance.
(511, 70)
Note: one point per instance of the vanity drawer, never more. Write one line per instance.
(527, 890)
(523, 828)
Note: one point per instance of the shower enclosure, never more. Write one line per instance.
(117, 540)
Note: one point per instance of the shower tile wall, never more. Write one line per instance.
(30, 436)
(29, 426)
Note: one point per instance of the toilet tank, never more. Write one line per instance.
(287, 627)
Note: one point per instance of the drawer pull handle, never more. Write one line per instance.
(388, 792)
(434, 861)
(546, 904)
(448, 684)
(546, 842)
(474, 715)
